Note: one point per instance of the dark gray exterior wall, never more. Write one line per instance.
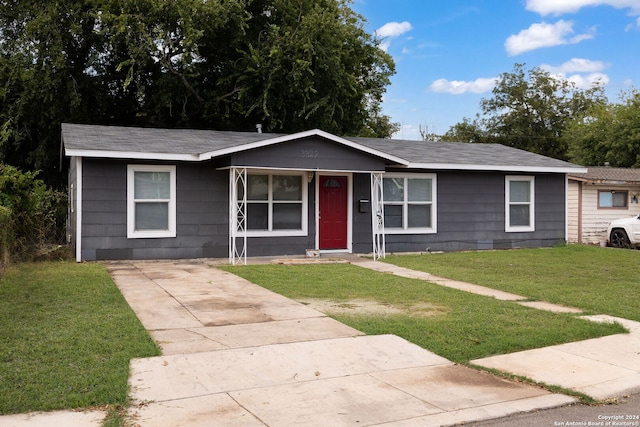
(202, 212)
(362, 234)
(72, 208)
(470, 208)
(311, 154)
(471, 215)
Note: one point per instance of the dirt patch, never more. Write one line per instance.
(369, 307)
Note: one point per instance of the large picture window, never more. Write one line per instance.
(519, 203)
(409, 203)
(151, 201)
(276, 204)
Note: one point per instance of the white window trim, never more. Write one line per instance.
(507, 203)
(305, 210)
(405, 205)
(132, 233)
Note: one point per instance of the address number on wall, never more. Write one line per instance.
(309, 154)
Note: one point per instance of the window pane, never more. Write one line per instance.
(257, 187)
(287, 187)
(519, 215)
(620, 199)
(152, 185)
(287, 216)
(393, 216)
(152, 216)
(519, 191)
(606, 199)
(419, 190)
(257, 216)
(419, 216)
(393, 189)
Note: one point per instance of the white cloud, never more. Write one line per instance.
(582, 72)
(457, 87)
(544, 35)
(393, 29)
(559, 7)
(586, 81)
(575, 65)
(634, 26)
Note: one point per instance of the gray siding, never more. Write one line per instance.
(470, 205)
(310, 153)
(471, 215)
(362, 237)
(201, 214)
(72, 208)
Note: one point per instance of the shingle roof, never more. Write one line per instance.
(154, 140)
(189, 144)
(461, 153)
(609, 175)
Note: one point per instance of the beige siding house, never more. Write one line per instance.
(597, 197)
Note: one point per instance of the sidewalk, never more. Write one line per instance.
(602, 368)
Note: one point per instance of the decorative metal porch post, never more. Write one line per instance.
(377, 216)
(238, 216)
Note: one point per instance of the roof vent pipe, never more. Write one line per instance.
(259, 127)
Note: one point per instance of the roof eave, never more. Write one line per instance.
(130, 155)
(499, 168)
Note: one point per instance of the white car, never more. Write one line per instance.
(624, 233)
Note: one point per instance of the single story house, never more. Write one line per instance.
(139, 193)
(598, 196)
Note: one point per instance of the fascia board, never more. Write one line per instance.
(502, 168)
(130, 155)
(300, 135)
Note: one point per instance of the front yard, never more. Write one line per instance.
(67, 335)
(455, 324)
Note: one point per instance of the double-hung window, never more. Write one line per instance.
(151, 201)
(519, 203)
(409, 203)
(276, 205)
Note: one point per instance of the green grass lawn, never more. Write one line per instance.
(67, 335)
(597, 280)
(460, 326)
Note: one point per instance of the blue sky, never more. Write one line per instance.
(449, 52)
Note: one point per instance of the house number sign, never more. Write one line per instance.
(309, 154)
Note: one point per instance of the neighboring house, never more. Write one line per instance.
(165, 193)
(598, 196)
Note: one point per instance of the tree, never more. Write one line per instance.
(226, 64)
(465, 131)
(530, 110)
(607, 134)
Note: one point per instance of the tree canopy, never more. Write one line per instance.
(607, 134)
(529, 110)
(224, 64)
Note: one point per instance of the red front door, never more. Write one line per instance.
(333, 212)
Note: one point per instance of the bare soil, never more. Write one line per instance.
(362, 307)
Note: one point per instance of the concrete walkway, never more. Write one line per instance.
(237, 354)
(602, 368)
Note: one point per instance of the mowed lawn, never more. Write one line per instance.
(66, 338)
(457, 325)
(594, 279)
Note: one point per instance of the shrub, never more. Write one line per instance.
(5, 221)
(37, 213)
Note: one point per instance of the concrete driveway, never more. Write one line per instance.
(234, 353)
